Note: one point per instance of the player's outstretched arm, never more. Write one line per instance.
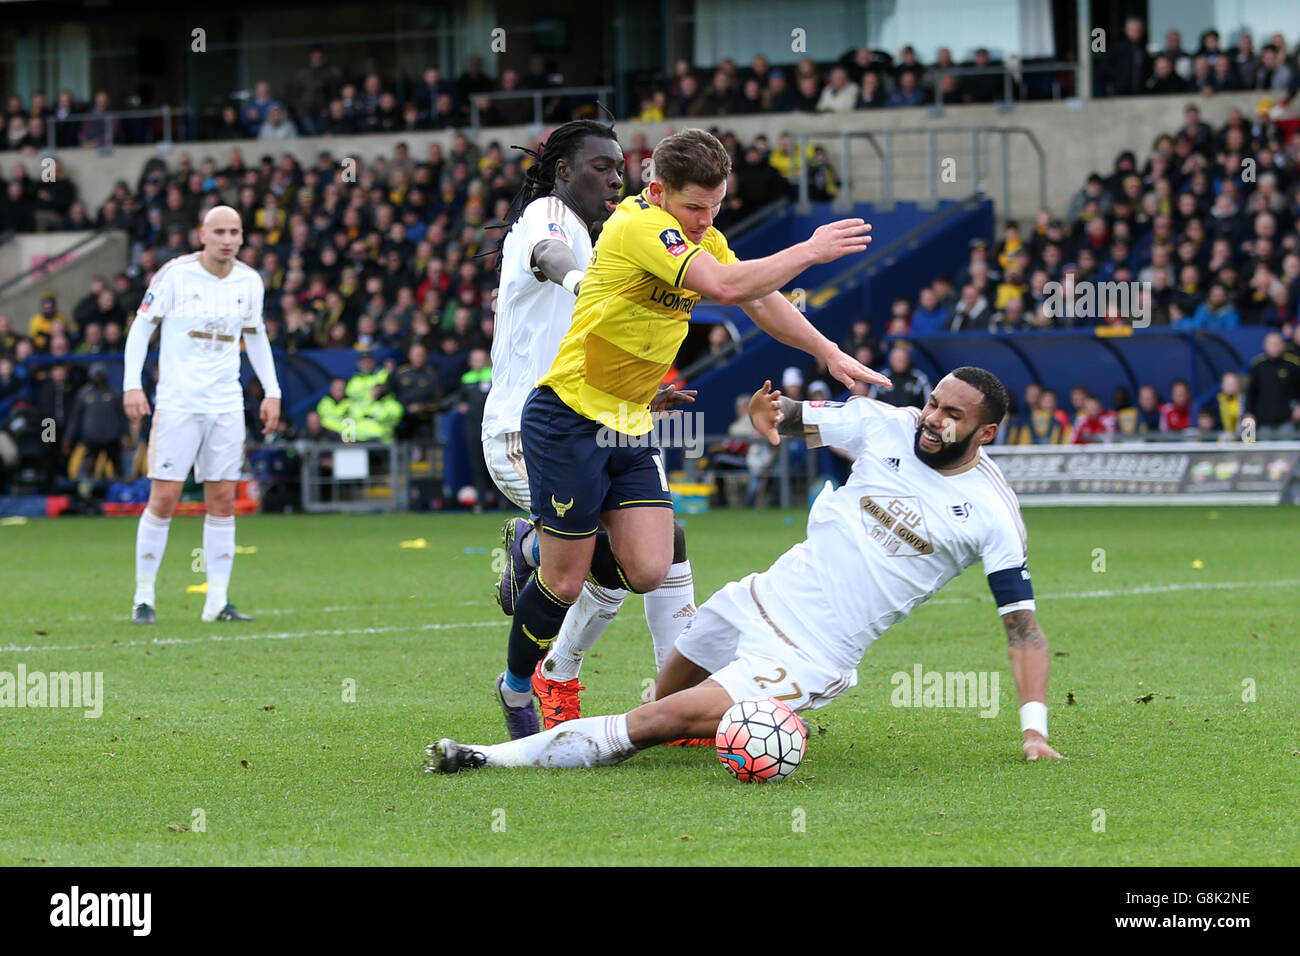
(774, 314)
(768, 412)
(1030, 664)
(775, 416)
(739, 282)
(555, 261)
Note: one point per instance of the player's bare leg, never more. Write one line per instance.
(668, 609)
(633, 554)
(642, 543)
(694, 712)
(150, 543)
(219, 550)
(594, 741)
(677, 674)
(164, 496)
(565, 563)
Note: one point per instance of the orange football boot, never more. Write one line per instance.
(558, 699)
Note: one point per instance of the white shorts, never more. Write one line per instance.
(213, 444)
(504, 455)
(732, 638)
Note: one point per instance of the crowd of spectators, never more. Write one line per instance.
(397, 257)
(1134, 66)
(1266, 407)
(866, 79)
(353, 256)
(322, 99)
(1203, 233)
(1206, 229)
(1260, 403)
(329, 99)
(40, 197)
(326, 99)
(861, 79)
(1263, 405)
(33, 126)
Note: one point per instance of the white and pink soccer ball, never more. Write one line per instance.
(761, 739)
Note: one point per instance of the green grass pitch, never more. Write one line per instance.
(1173, 695)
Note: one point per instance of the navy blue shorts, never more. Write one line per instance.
(576, 473)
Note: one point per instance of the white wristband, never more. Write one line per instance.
(571, 280)
(1033, 716)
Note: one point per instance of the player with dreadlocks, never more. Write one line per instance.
(572, 188)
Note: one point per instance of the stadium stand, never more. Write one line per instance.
(394, 258)
(322, 97)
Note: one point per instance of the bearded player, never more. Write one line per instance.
(583, 429)
(203, 304)
(569, 192)
(922, 503)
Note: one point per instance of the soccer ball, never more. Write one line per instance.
(761, 739)
(467, 497)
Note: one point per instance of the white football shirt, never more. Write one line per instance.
(890, 537)
(532, 314)
(201, 319)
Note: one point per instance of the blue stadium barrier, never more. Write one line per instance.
(305, 376)
(790, 228)
(910, 248)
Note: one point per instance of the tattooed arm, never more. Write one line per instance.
(1027, 648)
(776, 416)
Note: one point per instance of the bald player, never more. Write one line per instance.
(201, 304)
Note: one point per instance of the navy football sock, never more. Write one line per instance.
(605, 569)
(536, 624)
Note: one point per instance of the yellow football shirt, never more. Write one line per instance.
(630, 317)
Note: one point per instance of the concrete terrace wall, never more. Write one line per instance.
(104, 255)
(1075, 142)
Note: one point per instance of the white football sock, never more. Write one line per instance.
(150, 543)
(526, 544)
(515, 698)
(219, 556)
(585, 742)
(589, 618)
(668, 608)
